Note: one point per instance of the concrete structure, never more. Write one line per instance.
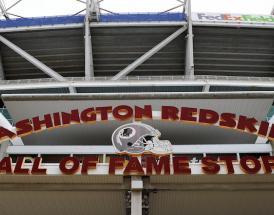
(219, 62)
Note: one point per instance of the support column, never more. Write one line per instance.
(89, 70)
(136, 195)
(189, 63)
(2, 74)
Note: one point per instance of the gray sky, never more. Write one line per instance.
(32, 8)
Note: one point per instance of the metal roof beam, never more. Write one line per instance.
(32, 60)
(189, 59)
(89, 69)
(148, 54)
(178, 81)
(2, 74)
(177, 149)
(4, 10)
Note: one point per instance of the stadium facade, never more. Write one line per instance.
(150, 113)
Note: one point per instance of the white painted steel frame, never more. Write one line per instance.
(89, 70)
(134, 24)
(136, 195)
(205, 83)
(189, 57)
(177, 149)
(2, 73)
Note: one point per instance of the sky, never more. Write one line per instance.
(34, 8)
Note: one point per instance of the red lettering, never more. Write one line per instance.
(208, 116)
(246, 168)
(104, 112)
(115, 163)
(210, 165)
(122, 112)
(268, 163)
(38, 124)
(187, 114)
(23, 127)
(72, 117)
(181, 165)
(271, 133)
(89, 163)
(228, 120)
(170, 113)
(75, 163)
(56, 119)
(247, 123)
(162, 164)
(19, 166)
(5, 165)
(6, 134)
(229, 163)
(263, 129)
(145, 112)
(88, 115)
(134, 167)
(36, 167)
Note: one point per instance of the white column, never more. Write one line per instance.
(189, 65)
(136, 195)
(89, 70)
(2, 74)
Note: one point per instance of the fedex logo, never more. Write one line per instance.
(233, 18)
(220, 17)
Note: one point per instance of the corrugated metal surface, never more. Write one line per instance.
(61, 50)
(212, 202)
(115, 48)
(217, 51)
(234, 51)
(60, 202)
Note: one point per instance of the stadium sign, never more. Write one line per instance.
(89, 115)
(137, 165)
(232, 18)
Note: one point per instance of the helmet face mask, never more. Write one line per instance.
(139, 138)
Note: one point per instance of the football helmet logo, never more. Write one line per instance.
(139, 138)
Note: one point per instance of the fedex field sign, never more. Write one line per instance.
(233, 18)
